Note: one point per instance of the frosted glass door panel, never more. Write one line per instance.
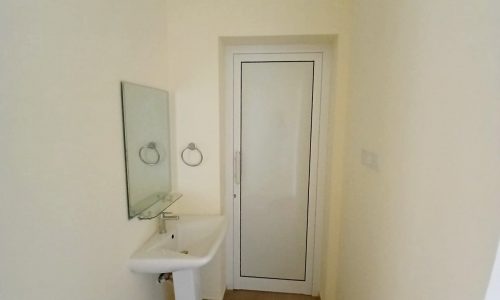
(276, 108)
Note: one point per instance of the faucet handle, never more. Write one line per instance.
(166, 215)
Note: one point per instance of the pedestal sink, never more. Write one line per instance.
(188, 244)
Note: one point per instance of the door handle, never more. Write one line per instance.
(237, 167)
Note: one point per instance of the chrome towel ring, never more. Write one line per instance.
(192, 147)
(150, 146)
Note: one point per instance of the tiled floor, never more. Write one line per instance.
(256, 295)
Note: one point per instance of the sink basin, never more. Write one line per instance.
(189, 243)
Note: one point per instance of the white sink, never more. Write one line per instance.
(189, 243)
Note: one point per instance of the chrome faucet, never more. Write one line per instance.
(162, 217)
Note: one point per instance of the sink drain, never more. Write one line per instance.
(184, 252)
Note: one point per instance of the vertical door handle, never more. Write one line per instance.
(237, 167)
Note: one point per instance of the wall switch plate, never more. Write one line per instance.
(369, 159)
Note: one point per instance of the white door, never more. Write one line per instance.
(276, 127)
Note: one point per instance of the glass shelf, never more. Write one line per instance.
(153, 205)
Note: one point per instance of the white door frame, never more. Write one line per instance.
(227, 154)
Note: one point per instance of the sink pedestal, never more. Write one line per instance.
(187, 284)
(189, 244)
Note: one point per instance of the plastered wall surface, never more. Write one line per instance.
(424, 100)
(64, 231)
(62, 179)
(193, 32)
(194, 29)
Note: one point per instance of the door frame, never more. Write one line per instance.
(227, 119)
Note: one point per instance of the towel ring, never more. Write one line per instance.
(150, 146)
(192, 147)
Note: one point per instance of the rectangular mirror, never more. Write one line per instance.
(147, 150)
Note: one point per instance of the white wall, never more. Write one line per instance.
(425, 98)
(64, 231)
(194, 32)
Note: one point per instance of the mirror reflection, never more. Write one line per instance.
(147, 150)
